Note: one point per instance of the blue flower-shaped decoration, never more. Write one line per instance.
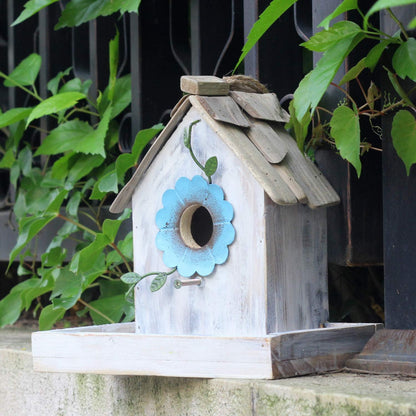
(176, 220)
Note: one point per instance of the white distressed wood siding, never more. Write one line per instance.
(297, 267)
(232, 299)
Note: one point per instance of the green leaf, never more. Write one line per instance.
(403, 133)
(8, 159)
(67, 136)
(385, 4)
(375, 53)
(121, 98)
(28, 228)
(412, 23)
(345, 6)
(354, 72)
(398, 88)
(313, 86)
(10, 308)
(76, 85)
(130, 6)
(345, 129)
(325, 39)
(55, 104)
(211, 166)
(143, 138)
(49, 316)
(53, 84)
(126, 248)
(73, 204)
(158, 282)
(109, 182)
(273, 11)
(82, 166)
(67, 284)
(53, 257)
(111, 307)
(14, 115)
(111, 227)
(25, 161)
(131, 278)
(300, 127)
(77, 12)
(113, 61)
(26, 72)
(404, 60)
(32, 7)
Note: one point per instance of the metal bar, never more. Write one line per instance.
(195, 37)
(136, 75)
(251, 61)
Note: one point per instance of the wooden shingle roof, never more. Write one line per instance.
(252, 125)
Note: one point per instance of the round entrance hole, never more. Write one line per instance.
(196, 226)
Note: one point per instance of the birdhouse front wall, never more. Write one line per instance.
(232, 300)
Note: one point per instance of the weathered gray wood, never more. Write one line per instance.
(204, 85)
(316, 187)
(267, 141)
(296, 267)
(261, 106)
(223, 109)
(251, 158)
(231, 301)
(115, 349)
(123, 198)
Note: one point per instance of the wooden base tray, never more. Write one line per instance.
(117, 349)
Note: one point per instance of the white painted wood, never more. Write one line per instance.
(231, 300)
(253, 160)
(116, 349)
(261, 106)
(204, 85)
(296, 267)
(123, 198)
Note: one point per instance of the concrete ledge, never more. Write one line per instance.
(24, 392)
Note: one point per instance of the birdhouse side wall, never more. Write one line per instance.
(296, 267)
(232, 300)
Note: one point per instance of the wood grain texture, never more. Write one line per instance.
(261, 106)
(123, 199)
(223, 109)
(296, 267)
(204, 85)
(316, 187)
(116, 349)
(252, 159)
(231, 301)
(267, 141)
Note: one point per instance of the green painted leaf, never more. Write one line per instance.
(10, 309)
(28, 228)
(14, 115)
(49, 316)
(131, 278)
(384, 4)
(26, 72)
(273, 11)
(211, 166)
(67, 136)
(158, 282)
(113, 64)
(313, 86)
(345, 129)
(403, 133)
(32, 7)
(345, 6)
(354, 71)
(325, 39)
(55, 104)
(404, 60)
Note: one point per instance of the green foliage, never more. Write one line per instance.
(80, 166)
(340, 127)
(77, 12)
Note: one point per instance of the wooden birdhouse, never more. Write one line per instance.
(230, 217)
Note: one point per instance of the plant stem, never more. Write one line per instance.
(398, 22)
(87, 305)
(126, 262)
(345, 92)
(83, 227)
(33, 94)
